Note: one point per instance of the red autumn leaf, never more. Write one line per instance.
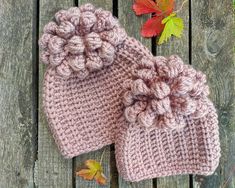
(166, 6)
(152, 27)
(160, 9)
(145, 7)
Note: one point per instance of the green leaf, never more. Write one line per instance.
(173, 26)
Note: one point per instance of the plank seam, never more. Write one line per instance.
(115, 8)
(76, 3)
(190, 33)
(35, 79)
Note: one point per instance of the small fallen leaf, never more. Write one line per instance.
(86, 174)
(100, 178)
(94, 171)
(160, 9)
(173, 26)
(166, 6)
(152, 27)
(145, 7)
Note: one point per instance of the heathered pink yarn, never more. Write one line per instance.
(163, 92)
(88, 56)
(82, 40)
(169, 126)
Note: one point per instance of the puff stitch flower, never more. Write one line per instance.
(163, 92)
(81, 40)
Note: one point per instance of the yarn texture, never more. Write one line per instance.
(163, 92)
(88, 56)
(169, 127)
(81, 40)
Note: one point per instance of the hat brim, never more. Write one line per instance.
(145, 153)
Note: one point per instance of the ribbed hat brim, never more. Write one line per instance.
(149, 153)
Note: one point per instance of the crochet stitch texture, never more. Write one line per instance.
(82, 40)
(163, 92)
(88, 56)
(169, 126)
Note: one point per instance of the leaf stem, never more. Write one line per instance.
(102, 156)
(181, 7)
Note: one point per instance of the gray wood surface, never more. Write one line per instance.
(97, 155)
(213, 53)
(51, 169)
(181, 48)
(17, 123)
(132, 24)
(29, 156)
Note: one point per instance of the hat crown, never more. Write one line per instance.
(82, 40)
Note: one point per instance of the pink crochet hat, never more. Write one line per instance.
(88, 55)
(169, 126)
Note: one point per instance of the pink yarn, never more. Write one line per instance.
(167, 91)
(169, 127)
(82, 40)
(89, 57)
(146, 153)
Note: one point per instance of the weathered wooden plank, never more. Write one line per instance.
(17, 126)
(176, 45)
(96, 155)
(213, 53)
(181, 48)
(52, 170)
(132, 24)
(173, 181)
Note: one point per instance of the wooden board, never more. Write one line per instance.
(213, 53)
(17, 117)
(132, 24)
(29, 156)
(96, 155)
(51, 169)
(181, 48)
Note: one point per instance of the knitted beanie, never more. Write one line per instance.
(88, 55)
(169, 126)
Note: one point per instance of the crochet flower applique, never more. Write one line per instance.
(164, 92)
(81, 40)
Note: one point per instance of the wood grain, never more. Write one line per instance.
(96, 155)
(209, 49)
(17, 123)
(181, 48)
(132, 24)
(51, 169)
(213, 53)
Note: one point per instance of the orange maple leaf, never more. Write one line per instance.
(94, 171)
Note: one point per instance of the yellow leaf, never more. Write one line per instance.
(173, 26)
(93, 165)
(94, 171)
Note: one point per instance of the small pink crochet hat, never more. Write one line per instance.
(88, 56)
(169, 126)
